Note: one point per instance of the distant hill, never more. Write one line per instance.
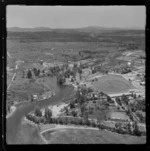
(89, 29)
(18, 29)
(85, 34)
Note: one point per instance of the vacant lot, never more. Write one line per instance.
(112, 84)
(76, 136)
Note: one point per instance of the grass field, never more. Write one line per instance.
(28, 134)
(112, 84)
(119, 115)
(76, 136)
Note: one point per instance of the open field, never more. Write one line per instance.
(111, 84)
(64, 43)
(119, 115)
(78, 136)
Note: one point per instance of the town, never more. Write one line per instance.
(122, 112)
(81, 85)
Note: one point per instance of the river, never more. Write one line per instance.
(13, 123)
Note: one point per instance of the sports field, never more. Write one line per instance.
(81, 136)
(111, 84)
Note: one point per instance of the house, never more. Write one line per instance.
(47, 65)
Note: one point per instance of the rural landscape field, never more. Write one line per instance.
(75, 86)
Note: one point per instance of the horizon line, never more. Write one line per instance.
(143, 28)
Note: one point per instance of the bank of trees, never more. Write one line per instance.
(85, 121)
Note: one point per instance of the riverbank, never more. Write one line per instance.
(12, 110)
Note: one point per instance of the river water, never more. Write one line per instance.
(13, 123)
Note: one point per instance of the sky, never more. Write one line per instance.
(76, 16)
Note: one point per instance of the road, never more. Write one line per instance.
(11, 81)
(16, 67)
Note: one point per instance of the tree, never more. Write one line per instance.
(74, 113)
(129, 128)
(8, 108)
(82, 99)
(29, 74)
(82, 107)
(37, 111)
(48, 113)
(66, 110)
(124, 99)
(31, 98)
(89, 90)
(109, 99)
(134, 96)
(118, 100)
(60, 79)
(78, 95)
(86, 117)
(23, 74)
(136, 130)
(72, 104)
(118, 125)
(80, 72)
(36, 71)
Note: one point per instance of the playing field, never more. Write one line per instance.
(81, 136)
(111, 84)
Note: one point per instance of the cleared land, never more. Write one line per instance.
(112, 84)
(76, 136)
